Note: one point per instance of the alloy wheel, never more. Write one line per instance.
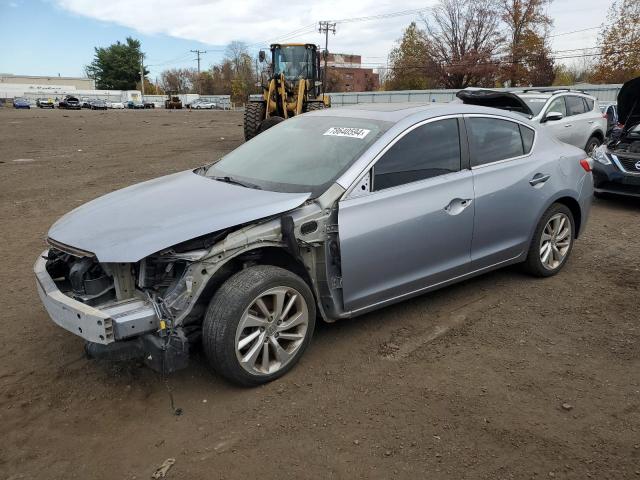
(271, 330)
(555, 241)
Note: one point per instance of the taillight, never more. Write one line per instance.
(586, 164)
(605, 115)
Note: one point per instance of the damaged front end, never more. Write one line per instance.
(153, 308)
(122, 310)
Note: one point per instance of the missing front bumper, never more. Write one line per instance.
(118, 321)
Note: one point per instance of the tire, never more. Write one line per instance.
(312, 106)
(227, 325)
(269, 122)
(559, 253)
(592, 144)
(254, 114)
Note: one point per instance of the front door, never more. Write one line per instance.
(564, 129)
(414, 229)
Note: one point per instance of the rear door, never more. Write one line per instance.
(414, 229)
(510, 187)
(580, 118)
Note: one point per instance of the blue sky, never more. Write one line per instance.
(54, 41)
(50, 37)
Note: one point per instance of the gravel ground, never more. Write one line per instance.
(503, 376)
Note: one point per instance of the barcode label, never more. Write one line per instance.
(347, 132)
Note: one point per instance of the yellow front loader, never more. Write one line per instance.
(294, 87)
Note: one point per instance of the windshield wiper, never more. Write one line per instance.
(234, 181)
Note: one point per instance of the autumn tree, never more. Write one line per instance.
(116, 67)
(619, 58)
(407, 62)
(462, 41)
(526, 48)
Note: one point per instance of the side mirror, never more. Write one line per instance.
(553, 116)
(261, 56)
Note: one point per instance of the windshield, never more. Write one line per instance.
(302, 154)
(535, 104)
(294, 61)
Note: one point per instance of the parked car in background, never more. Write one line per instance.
(115, 105)
(617, 163)
(572, 116)
(70, 103)
(85, 102)
(149, 104)
(244, 253)
(610, 111)
(21, 102)
(98, 104)
(203, 104)
(45, 103)
(135, 105)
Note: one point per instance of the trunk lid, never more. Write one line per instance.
(491, 98)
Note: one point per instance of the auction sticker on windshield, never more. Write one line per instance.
(347, 132)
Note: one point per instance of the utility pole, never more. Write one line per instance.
(142, 74)
(198, 53)
(326, 27)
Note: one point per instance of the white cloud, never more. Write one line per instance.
(257, 22)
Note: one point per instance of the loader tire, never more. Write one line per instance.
(254, 114)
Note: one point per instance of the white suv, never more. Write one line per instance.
(572, 116)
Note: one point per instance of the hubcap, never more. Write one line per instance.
(271, 330)
(555, 241)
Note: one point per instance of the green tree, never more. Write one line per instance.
(116, 67)
(619, 58)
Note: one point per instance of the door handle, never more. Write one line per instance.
(567, 125)
(457, 205)
(591, 121)
(539, 178)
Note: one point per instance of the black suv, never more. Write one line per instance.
(617, 163)
(70, 103)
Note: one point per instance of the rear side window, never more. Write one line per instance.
(427, 151)
(575, 105)
(492, 139)
(527, 138)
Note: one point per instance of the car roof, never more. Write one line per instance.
(396, 112)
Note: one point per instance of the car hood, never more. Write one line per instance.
(130, 224)
(629, 103)
(491, 98)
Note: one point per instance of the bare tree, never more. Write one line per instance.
(463, 40)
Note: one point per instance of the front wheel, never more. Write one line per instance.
(258, 325)
(592, 144)
(552, 242)
(254, 114)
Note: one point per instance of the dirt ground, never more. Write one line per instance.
(466, 382)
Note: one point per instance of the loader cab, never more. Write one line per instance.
(296, 61)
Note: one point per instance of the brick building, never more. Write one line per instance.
(345, 74)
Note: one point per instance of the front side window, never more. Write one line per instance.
(589, 103)
(493, 139)
(558, 106)
(427, 151)
(575, 105)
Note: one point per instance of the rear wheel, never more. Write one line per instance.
(269, 122)
(254, 114)
(258, 325)
(552, 242)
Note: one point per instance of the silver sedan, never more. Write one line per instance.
(327, 215)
